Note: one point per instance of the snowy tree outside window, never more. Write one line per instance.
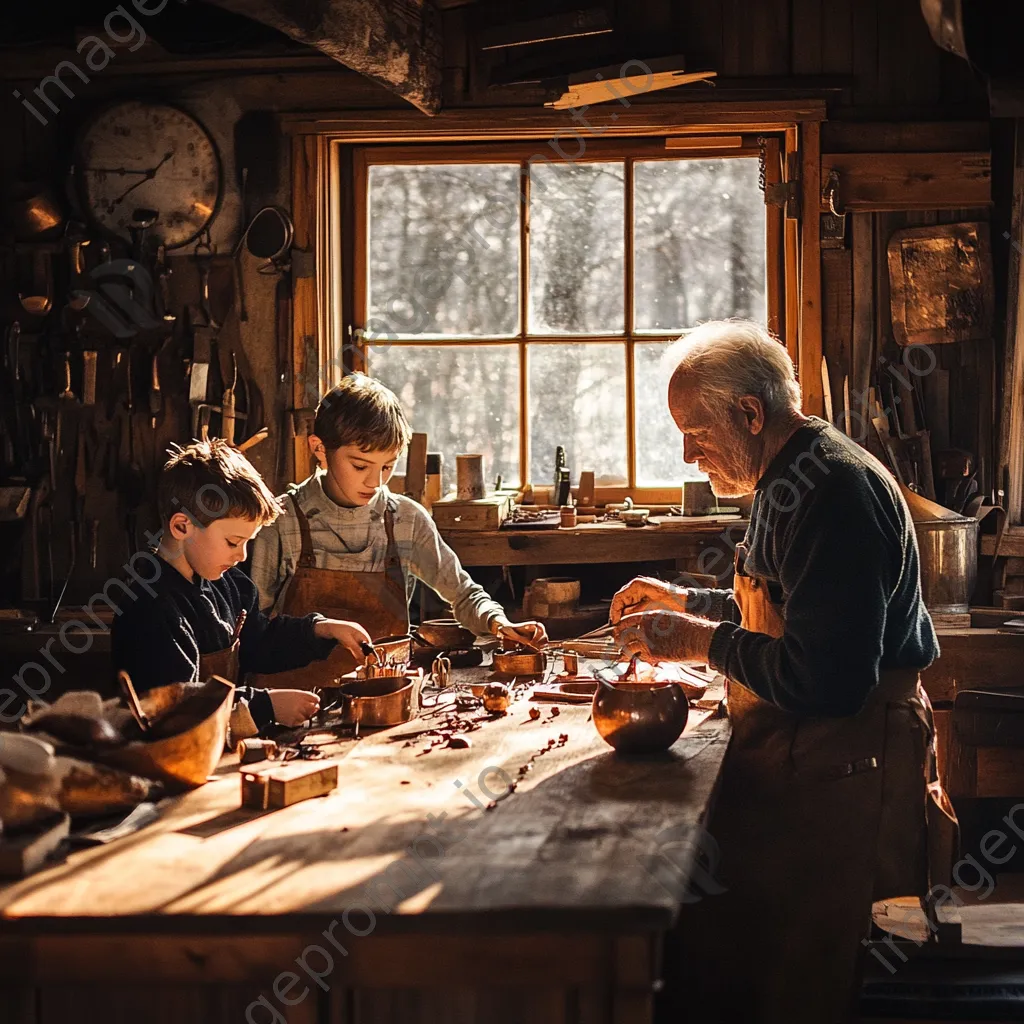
(459, 312)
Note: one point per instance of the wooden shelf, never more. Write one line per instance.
(595, 542)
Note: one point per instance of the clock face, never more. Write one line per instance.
(149, 156)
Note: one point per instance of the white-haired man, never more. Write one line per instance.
(829, 778)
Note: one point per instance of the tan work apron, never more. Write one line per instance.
(815, 819)
(376, 600)
(224, 663)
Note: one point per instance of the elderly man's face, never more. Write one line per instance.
(726, 444)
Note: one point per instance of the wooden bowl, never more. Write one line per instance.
(186, 760)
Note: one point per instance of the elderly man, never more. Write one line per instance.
(829, 779)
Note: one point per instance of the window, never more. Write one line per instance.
(518, 304)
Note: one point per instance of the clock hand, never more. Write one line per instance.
(114, 170)
(147, 176)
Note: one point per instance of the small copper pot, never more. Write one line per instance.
(377, 703)
(446, 633)
(520, 662)
(397, 649)
(638, 719)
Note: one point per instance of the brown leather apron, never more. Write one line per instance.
(224, 663)
(815, 819)
(376, 600)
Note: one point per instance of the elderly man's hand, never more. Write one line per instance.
(646, 594)
(666, 636)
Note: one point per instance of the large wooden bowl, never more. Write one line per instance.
(183, 761)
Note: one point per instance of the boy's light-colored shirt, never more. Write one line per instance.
(354, 539)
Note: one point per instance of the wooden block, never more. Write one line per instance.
(416, 467)
(285, 785)
(907, 181)
(585, 492)
(21, 856)
(480, 514)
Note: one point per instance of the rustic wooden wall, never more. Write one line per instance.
(872, 60)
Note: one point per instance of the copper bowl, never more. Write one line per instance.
(377, 703)
(448, 633)
(639, 719)
(183, 761)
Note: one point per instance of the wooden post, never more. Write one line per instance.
(305, 368)
(809, 341)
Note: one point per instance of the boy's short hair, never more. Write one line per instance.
(363, 412)
(210, 480)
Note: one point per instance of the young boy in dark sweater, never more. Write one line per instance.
(212, 502)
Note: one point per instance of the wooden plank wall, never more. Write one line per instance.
(872, 59)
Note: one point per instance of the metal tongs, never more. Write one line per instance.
(372, 652)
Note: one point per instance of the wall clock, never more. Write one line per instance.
(137, 155)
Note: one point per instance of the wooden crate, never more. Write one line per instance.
(482, 514)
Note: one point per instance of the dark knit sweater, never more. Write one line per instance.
(833, 537)
(165, 627)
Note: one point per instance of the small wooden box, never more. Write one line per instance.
(284, 785)
(481, 514)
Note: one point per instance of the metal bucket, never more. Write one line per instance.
(949, 563)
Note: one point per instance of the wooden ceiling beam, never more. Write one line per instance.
(397, 43)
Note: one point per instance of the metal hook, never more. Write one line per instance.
(828, 193)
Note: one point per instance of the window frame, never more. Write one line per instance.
(629, 151)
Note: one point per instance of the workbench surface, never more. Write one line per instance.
(569, 844)
(553, 901)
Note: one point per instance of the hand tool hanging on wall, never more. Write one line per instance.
(227, 405)
(163, 291)
(133, 482)
(89, 358)
(36, 291)
(207, 379)
(18, 455)
(142, 220)
(156, 400)
(75, 537)
(76, 239)
(64, 399)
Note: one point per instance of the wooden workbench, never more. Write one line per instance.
(547, 907)
(676, 537)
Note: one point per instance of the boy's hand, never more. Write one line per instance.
(531, 634)
(293, 707)
(349, 634)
